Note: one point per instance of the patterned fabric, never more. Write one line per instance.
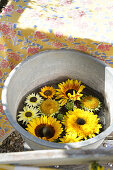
(30, 26)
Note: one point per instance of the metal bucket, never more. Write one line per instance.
(53, 64)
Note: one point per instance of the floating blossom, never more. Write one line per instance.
(90, 103)
(71, 89)
(96, 166)
(33, 100)
(60, 108)
(28, 114)
(84, 123)
(47, 92)
(70, 138)
(49, 107)
(46, 128)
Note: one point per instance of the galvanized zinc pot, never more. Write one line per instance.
(50, 65)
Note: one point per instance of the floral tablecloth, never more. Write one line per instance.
(30, 26)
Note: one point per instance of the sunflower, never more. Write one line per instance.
(46, 128)
(47, 92)
(90, 103)
(28, 114)
(70, 138)
(49, 107)
(84, 123)
(33, 100)
(70, 89)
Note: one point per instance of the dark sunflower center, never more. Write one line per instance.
(33, 99)
(70, 91)
(28, 114)
(44, 131)
(80, 121)
(48, 93)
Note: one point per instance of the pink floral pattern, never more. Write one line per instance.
(55, 22)
(57, 44)
(7, 31)
(1, 47)
(4, 64)
(40, 35)
(59, 34)
(68, 1)
(14, 56)
(1, 73)
(100, 58)
(81, 48)
(1, 108)
(33, 50)
(2, 132)
(9, 9)
(71, 39)
(104, 47)
(82, 13)
(20, 10)
(12, 65)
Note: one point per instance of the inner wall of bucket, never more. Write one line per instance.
(109, 91)
(53, 65)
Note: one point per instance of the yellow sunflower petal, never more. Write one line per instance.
(47, 128)
(69, 89)
(63, 102)
(70, 138)
(49, 107)
(84, 123)
(47, 92)
(90, 103)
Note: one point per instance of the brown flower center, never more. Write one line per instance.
(80, 121)
(70, 91)
(28, 114)
(47, 93)
(44, 131)
(33, 99)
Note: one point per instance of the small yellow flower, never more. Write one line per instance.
(28, 114)
(33, 100)
(47, 92)
(49, 107)
(83, 123)
(70, 89)
(46, 128)
(90, 103)
(70, 138)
